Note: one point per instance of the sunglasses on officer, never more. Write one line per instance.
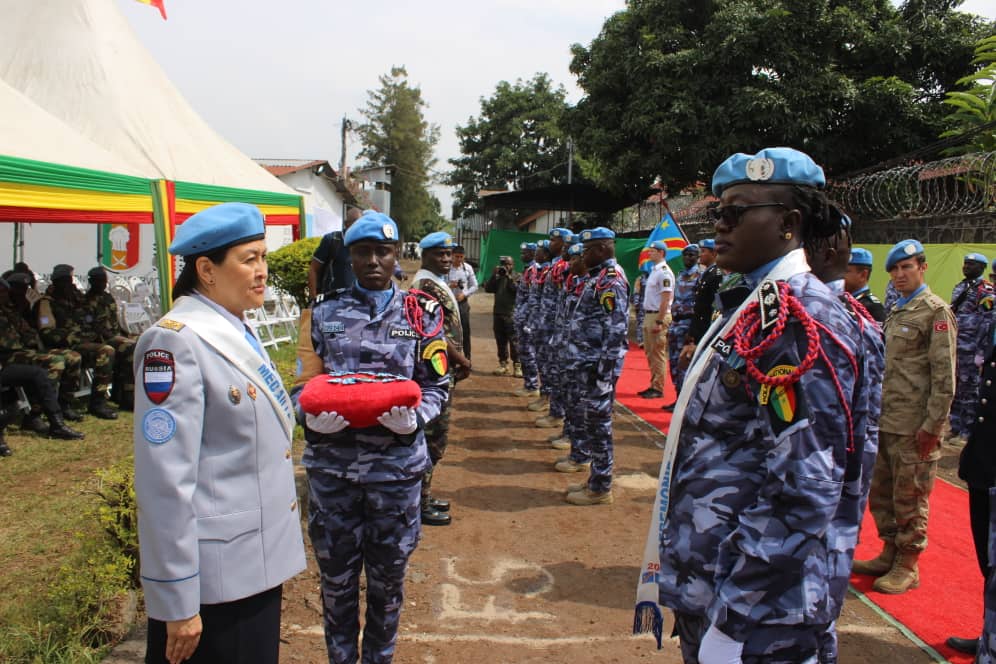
(731, 215)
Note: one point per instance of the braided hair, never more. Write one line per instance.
(819, 218)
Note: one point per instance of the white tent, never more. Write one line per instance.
(29, 132)
(81, 62)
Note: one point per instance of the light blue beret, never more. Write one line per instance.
(572, 238)
(531, 246)
(708, 243)
(597, 233)
(769, 166)
(978, 258)
(861, 256)
(543, 244)
(659, 245)
(560, 232)
(217, 227)
(901, 251)
(692, 248)
(437, 240)
(575, 249)
(371, 225)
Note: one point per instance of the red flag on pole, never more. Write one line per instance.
(158, 4)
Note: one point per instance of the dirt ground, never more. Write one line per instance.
(521, 576)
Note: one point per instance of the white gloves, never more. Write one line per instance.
(400, 419)
(718, 648)
(327, 422)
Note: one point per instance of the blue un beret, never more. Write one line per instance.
(861, 256)
(769, 166)
(901, 251)
(437, 240)
(692, 248)
(708, 243)
(575, 249)
(543, 244)
(597, 233)
(531, 246)
(559, 232)
(978, 258)
(659, 245)
(217, 227)
(572, 238)
(372, 225)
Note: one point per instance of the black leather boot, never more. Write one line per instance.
(100, 408)
(439, 505)
(433, 517)
(34, 422)
(4, 450)
(69, 413)
(58, 429)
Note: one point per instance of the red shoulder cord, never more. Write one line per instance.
(414, 312)
(600, 277)
(749, 325)
(861, 312)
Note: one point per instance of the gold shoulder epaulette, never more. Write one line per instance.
(168, 324)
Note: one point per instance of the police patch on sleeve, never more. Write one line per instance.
(158, 375)
(435, 355)
(158, 426)
(608, 301)
(784, 404)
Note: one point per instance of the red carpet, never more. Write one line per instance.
(949, 599)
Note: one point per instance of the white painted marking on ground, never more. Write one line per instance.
(529, 641)
(454, 610)
(502, 569)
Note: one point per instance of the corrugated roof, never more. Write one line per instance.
(280, 167)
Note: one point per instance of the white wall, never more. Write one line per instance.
(318, 193)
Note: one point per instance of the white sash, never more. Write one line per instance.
(432, 276)
(649, 615)
(210, 326)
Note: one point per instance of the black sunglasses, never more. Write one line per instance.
(731, 215)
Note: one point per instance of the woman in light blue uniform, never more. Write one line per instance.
(219, 526)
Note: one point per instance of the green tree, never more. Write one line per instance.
(515, 143)
(976, 105)
(672, 86)
(397, 134)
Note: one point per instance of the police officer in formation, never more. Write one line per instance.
(543, 323)
(757, 450)
(571, 437)
(366, 483)
(856, 277)
(533, 323)
(917, 391)
(682, 312)
(972, 304)
(520, 317)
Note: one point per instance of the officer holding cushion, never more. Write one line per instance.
(365, 483)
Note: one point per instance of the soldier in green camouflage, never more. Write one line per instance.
(68, 332)
(101, 315)
(20, 344)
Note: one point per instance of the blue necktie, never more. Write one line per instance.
(254, 342)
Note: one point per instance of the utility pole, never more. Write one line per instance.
(570, 174)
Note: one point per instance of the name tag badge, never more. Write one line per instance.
(403, 333)
(333, 327)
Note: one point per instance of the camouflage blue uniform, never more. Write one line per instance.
(891, 296)
(556, 333)
(767, 485)
(533, 319)
(972, 305)
(597, 338)
(682, 312)
(520, 316)
(573, 416)
(641, 282)
(365, 484)
(543, 328)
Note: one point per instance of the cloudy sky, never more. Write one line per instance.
(276, 79)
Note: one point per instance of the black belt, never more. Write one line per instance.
(680, 317)
(652, 311)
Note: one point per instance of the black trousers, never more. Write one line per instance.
(504, 330)
(246, 631)
(978, 516)
(464, 308)
(40, 390)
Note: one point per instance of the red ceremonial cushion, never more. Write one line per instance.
(359, 397)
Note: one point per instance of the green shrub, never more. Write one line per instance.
(289, 268)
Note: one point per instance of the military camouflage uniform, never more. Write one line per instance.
(916, 394)
(520, 317)
(542, 326)
(891, 295)
(572, 367)
(437, 430)
(364, 484)
(641, 282)
(597, 339)
(20, 343)
(767, 486)
(101, 316)
(972, 305)
(682, 312)
(68, 334)
(533, 320)
(555, 334)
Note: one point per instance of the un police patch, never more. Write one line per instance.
(158, 426)
(158, 375)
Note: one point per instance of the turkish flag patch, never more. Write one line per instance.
(941, 326)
